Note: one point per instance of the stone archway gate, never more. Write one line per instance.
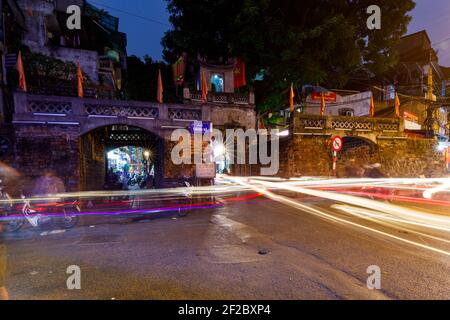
(48, 128)
(309, 146)
(90, 114)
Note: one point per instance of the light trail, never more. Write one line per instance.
(391, 197)
(406, 213)
(154, 193)
(322, 214)
(398, 226)
(428, 194)
(363, 213)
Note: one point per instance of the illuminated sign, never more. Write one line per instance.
(328, 96)
(412, 117)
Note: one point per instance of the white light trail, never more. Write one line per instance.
(322, 214)
(428, 194)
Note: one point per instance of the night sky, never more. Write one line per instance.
(144, 36)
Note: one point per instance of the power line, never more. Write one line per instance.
(439, 42)
(131, 14)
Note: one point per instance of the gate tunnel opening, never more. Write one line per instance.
(120, 157)
(356, 154)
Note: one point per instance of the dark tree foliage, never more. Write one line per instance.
(41, 69)
(304, 42)
(142, 80)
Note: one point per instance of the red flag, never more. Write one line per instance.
(21, 71)
(204, 88)
(291, 98)
(80, 81)
(179, 68)
(239, 74)
(160, 90)
(397, 106)
(322, 105)
(372, 107)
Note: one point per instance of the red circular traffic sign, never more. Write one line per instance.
(337, 144)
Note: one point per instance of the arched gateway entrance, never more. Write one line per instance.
(118, 157)
(357, 153)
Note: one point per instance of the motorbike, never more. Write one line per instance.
(64, 215)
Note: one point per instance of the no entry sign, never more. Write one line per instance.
(337, 144)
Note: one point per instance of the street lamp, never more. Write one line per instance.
(219, 149)
(220, 154)
(147, 155)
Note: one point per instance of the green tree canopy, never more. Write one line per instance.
(304, 42)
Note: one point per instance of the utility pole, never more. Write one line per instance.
(430, 102)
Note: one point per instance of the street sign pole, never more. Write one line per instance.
(337, 144)
(335, 163)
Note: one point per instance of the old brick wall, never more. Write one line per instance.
(356, 158)
(307, 155)
(92, 162)
(39, 148)
(7, 133)
(8, 177)
(411, 158)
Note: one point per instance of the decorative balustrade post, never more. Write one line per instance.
(186, 94)
(373, 124)
(328, 122)
(78, 107)
(164, 111)
(206, 113)
(20, 102)
(401, 125)
(251, 98)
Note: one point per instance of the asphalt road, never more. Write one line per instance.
(248, 248)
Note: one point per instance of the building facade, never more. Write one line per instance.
(97, 46)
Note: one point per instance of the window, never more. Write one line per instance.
(217, 83)
(346, 112)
